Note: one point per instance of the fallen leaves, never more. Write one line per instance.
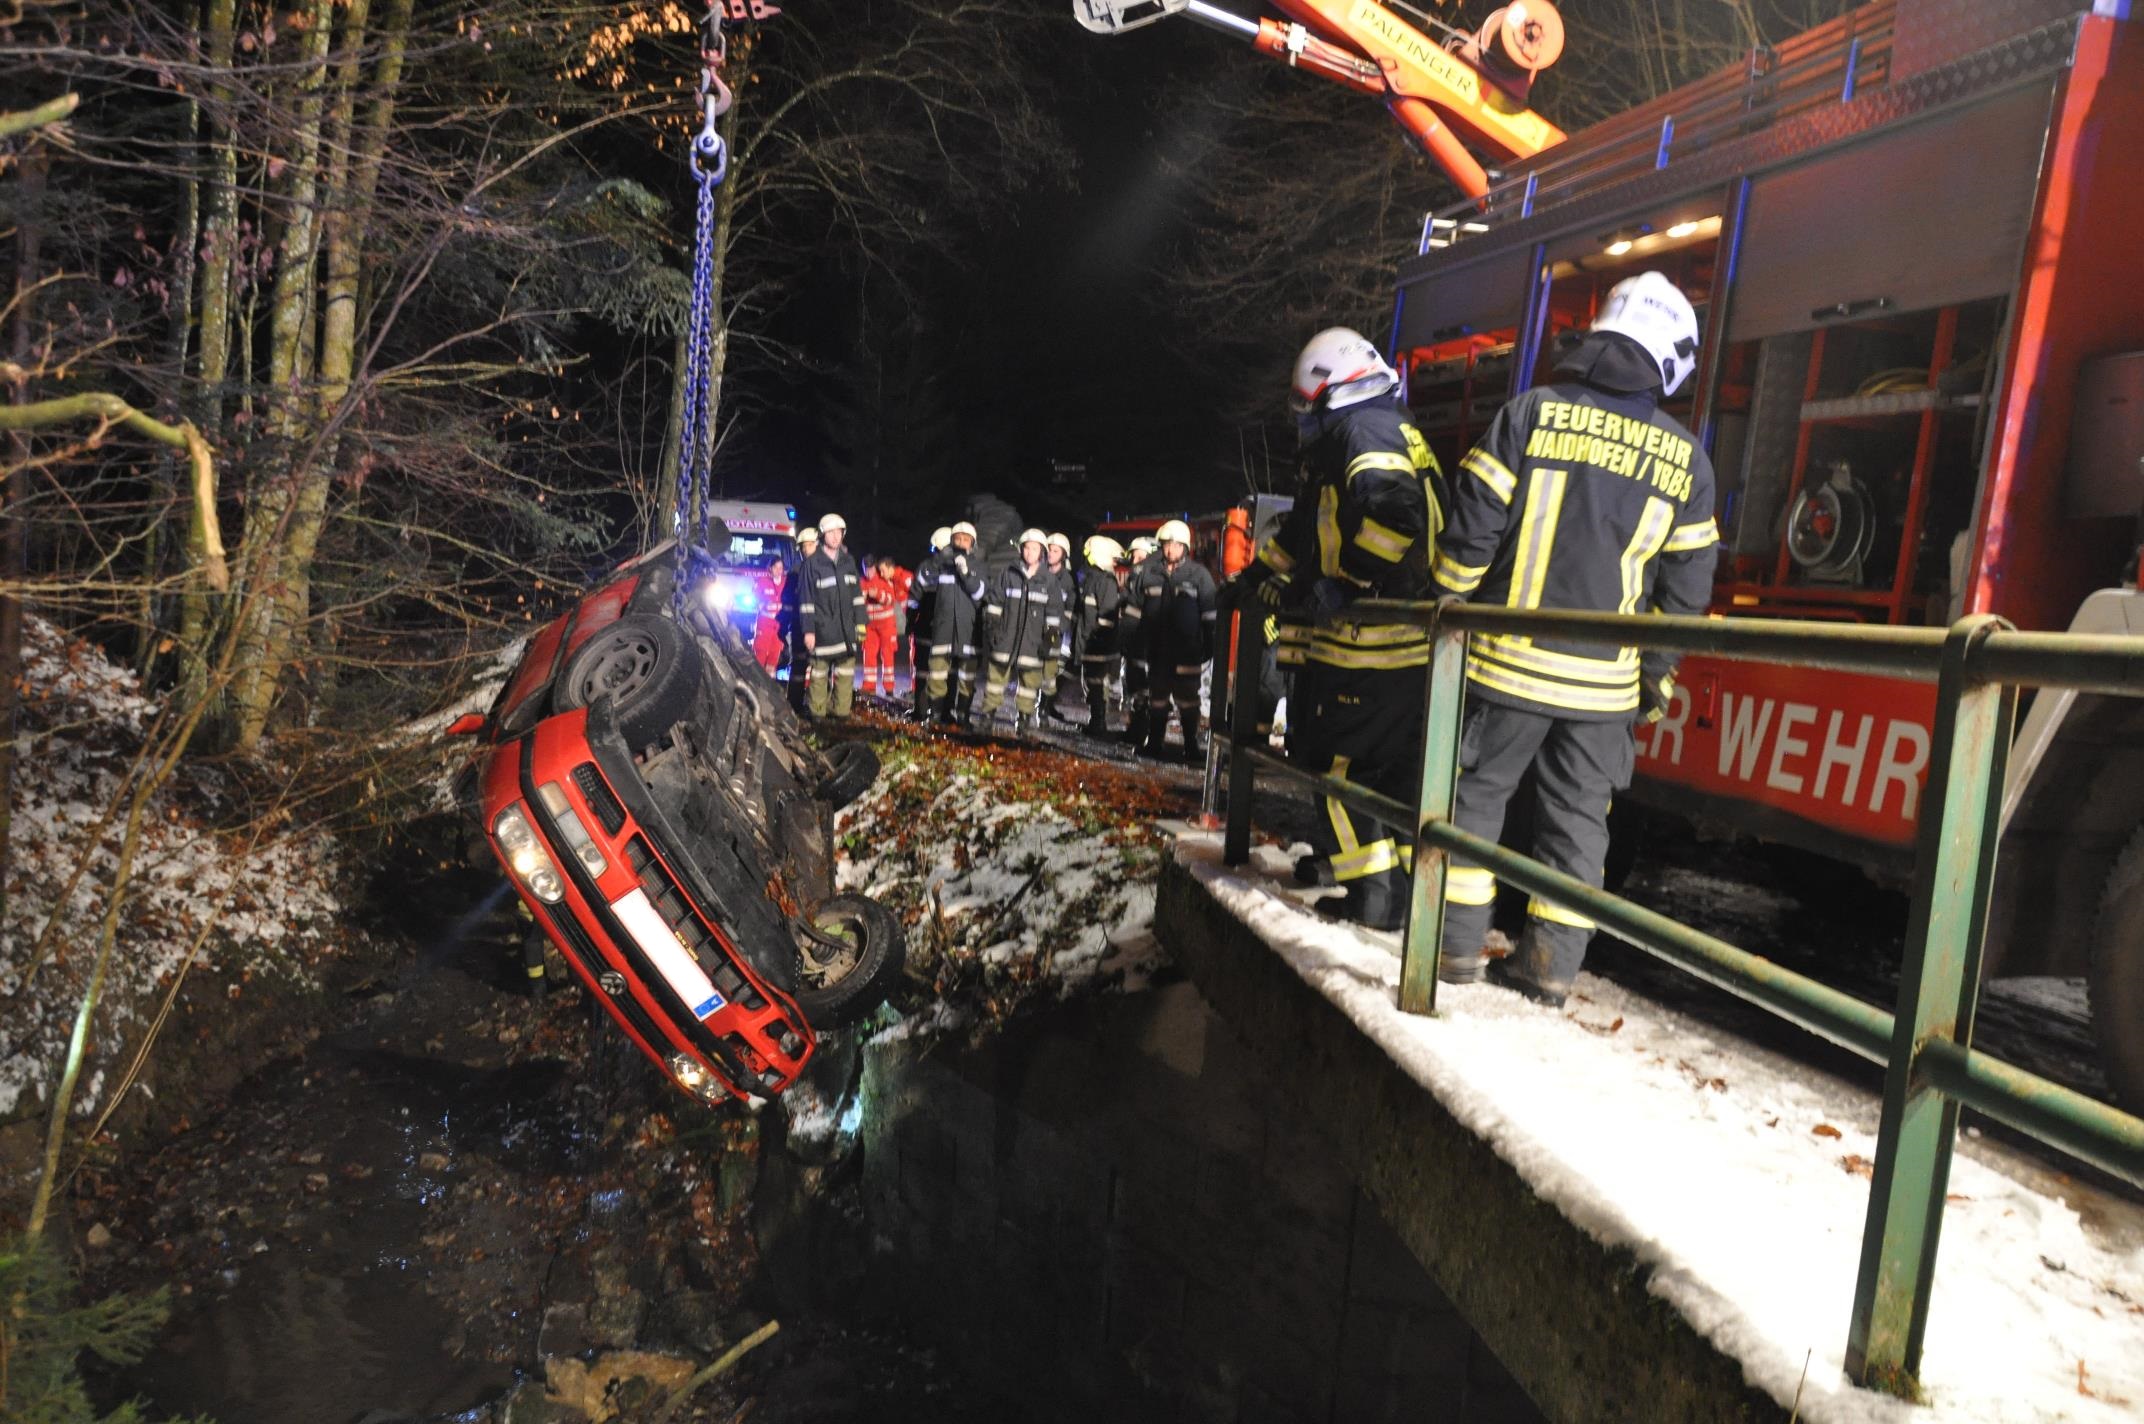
(1825, 1129)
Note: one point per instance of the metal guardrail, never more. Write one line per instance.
(1930, 1067)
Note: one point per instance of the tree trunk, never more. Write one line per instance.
(219, 251)
(673, 438)
(30, 187)
(290, 316)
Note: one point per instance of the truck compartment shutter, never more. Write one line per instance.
(1925, 217)
(1482, 296)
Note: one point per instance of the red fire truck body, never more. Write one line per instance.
(1912, 236)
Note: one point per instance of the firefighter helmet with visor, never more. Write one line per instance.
(1652, 311)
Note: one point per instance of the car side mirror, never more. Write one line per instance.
(466, 725)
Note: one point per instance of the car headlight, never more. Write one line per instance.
(692, 1074)
(530, 863)
(573, 828)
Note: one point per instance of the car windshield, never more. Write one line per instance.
(754, 551)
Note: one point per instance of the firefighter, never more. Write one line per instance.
(922, 606)
(790, 622)
(1584, 495)
(952, 656)
(1363, 525)
(1174, 599)
(1132, 639)
(1026, 609)
(1095, 637)
(1058, 551)
(882, 611)
(831, 609)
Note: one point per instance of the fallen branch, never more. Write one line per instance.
(112, 410)
(51, 112)
(723, 1365)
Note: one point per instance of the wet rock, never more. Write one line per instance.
(433, 1162)
(564, 1332)
(98, 1237)
(596, 1390)
(614, 1317)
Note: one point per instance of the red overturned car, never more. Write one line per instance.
(657, 806)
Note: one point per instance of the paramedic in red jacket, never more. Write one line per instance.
(882, 613)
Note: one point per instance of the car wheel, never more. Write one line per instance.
(855, 768)
(648, 668)
(849, 957)
(2116, 978)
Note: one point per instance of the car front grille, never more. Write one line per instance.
(600, 798)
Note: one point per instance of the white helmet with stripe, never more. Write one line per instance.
(1652, 311)
(1339, 368)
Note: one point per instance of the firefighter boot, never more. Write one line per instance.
(1545, 964)
(1376, 902)
(1023, 726)
(1157, 734)
(1097, 710)
(1194, 755)
(1315, 870)
(1136, 717)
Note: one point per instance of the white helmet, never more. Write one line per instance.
(809, 534)
(1060, 541)
(964, 527)
(941, 536)
(1337, 368)
(832, 522)
(1033, 536)
(1140, 549)
(1102, 551)
(1173, 532)
(1652, 311)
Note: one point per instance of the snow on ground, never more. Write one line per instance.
(270, 895)
(1020, 875)
(1740, 1178)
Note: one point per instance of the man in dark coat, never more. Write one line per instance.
(1095, 642)
(958, 597)
(831, 608)
(1174, 598)
(922, 613)
(789, 621)
(1026, 607)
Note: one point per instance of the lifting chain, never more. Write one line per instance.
(708, 158)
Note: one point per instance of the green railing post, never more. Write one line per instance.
(1960, 822)
(1444, 693)
(1249, 654)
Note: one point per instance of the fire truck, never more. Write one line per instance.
(1912, 236)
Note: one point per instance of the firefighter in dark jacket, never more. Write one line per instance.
(831, 609)
(1173, 601)
(922, 613)
(1364, 524)
(1131, 638)
(1057, 551)
(1094, 640)
(959, 585)
(1582, 495)
(1026, 608)
(790, 620)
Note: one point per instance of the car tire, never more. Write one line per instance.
(855, 767)
(648, 668)
(838, 988)
(2115, 980)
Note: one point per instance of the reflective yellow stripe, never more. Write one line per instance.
(1693, 536)
(1379, 460)
(1521, 653)
(1387, 544)
(1329, 532)
(1372, 859)
(1329, 655)
(1644, 543)
(1274, 557)
(1469, 885)
(1551, 694)
(1537, 537)
(1458, 577)
(1343, 828)
(1491, 472)
(1557, 915)
(1371, 635)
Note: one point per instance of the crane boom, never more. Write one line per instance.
(1366, 47)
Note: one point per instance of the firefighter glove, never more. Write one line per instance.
(1655, 696)
(1272, 591)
